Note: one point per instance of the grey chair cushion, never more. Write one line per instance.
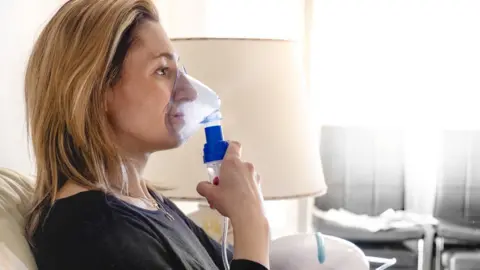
(360, 235)
(461, 259)
(458, 232)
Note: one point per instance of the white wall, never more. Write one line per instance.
(20, 22)
(274, 19)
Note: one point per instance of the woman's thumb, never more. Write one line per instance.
(206, 189)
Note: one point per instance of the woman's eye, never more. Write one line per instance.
(162, 71)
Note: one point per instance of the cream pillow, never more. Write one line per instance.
(15, 192)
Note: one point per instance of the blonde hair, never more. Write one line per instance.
(77, 57)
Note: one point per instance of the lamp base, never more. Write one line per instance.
(211, 222)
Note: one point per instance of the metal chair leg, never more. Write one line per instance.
(428, 248)
(420, 254)
(439, 246)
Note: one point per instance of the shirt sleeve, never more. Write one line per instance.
(246, 265)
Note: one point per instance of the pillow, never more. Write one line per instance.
(15, 192)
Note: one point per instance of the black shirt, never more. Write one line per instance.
(92, 230)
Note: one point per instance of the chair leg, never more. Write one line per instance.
(420, 254)
(428, 248)
(439, 246)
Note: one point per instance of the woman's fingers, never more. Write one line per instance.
(234, 150)
(235, 193)
(207, 190)
(258, 178)
(250, 167)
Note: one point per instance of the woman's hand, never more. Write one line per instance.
(236, 194)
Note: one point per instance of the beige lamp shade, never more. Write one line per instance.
(264, 107)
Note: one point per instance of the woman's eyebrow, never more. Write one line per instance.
(168, 55)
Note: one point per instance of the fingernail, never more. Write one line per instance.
(211, 207)
(216, 181)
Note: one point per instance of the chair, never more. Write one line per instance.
(15, 192)
(457, 202)
(365, 174)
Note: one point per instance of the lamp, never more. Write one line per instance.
(264, 107)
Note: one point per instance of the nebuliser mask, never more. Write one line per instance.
(204, 111)
(196, 110)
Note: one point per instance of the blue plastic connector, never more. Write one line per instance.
(215, 147)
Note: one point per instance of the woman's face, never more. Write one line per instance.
(141, 106)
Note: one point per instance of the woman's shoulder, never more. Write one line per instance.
(88, 214)
(91, 228)
(74, 202)
(77, 212)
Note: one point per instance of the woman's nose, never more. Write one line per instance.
(184, 90)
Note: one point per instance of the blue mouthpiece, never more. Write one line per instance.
(215, 147)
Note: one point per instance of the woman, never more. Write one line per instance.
(99, 100)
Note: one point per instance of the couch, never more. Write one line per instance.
(15, 192)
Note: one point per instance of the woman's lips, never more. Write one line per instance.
(177, 118)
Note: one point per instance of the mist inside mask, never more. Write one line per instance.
(196, 111)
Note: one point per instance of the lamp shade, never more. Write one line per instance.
(264, 107)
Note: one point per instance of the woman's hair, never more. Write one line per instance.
(77, 57)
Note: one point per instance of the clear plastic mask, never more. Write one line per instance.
(196, 111)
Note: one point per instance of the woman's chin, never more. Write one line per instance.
(172, 142)
(174, 138)
(177, 143)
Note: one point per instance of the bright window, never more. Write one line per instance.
(390, 63)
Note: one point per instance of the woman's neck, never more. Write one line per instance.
(131, 176)
(132, 171)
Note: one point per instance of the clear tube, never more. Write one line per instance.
(213, 169)
(226, 263)
(386, 263)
